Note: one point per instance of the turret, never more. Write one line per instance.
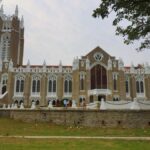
(60, 66)
(132, 69)
(87, 64)
(147, 68)
(120, 64)
(44, 66)
(1, 10)
(10, 65)
(76, 63)
(22, 23)
(28, 66)
(109, 64)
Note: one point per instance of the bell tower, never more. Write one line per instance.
(11, 37)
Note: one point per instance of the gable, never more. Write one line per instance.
(98, 55)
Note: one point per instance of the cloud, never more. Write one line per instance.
(62, 29)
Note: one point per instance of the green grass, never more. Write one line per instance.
(12, 127)
(66, 144)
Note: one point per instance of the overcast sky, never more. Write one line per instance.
(63, 29)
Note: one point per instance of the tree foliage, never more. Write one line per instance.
(135, 12)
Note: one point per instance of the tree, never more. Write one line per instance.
(135, 12)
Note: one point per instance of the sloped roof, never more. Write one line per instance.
(97, 49)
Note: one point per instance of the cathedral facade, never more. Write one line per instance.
(90, 78)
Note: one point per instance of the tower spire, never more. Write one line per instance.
(16, 11)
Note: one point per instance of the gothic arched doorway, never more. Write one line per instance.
(100, 97)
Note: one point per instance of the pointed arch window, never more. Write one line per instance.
(140, 85)
(5, 44)
(137, 87)
(98, 77)
(82, 81)
(127, 86)
(36, 84)
(4, 80)
(82, 84)
(115, 78)
(19, 84)
(115, 84)
(52, 84)
(68, 84)
(33, 85)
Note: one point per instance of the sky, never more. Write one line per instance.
(60, 30)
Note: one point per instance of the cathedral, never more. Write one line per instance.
(95, 76)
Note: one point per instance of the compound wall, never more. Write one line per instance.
(90, 118)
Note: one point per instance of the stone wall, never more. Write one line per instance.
(90, 118)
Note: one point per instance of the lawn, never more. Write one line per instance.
(66, 144)
(12, 127)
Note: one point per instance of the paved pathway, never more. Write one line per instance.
(79, 137)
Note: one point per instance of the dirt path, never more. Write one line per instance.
(79, 137)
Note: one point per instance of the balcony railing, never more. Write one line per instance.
(51, 94)
(99, 92)
(35, 94)
(68, 95)
(140, 95)
(18, 94)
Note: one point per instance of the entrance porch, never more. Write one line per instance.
(98, 94)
